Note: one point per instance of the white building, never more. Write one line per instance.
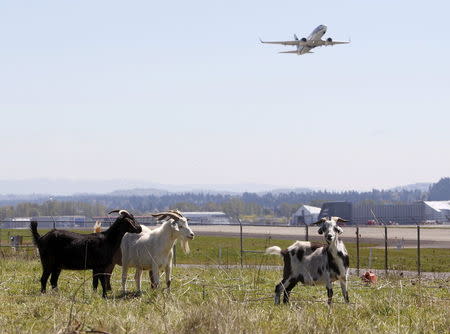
(207, 217)
(306, 214)
(437, 211)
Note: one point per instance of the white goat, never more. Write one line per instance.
(152, 249)
(311, 263)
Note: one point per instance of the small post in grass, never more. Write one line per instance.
(357, 250)
(240, 232)
(385, 251)
(385, 243)
(418, 250)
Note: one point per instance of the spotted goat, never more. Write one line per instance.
(313, 264)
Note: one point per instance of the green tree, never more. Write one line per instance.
(440, 191)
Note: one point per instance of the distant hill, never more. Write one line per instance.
(139, 192)
(289, 190)
(38, 189)
(67, 187)
(423, 186)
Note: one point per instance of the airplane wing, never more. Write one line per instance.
(327, 42)
(301, 43)
(311, 43)
(294, 51)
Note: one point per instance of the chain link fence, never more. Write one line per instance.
(384, 249)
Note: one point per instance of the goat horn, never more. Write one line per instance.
(178, 213)
(163, 215)
(320, 221)
(340, 220)
(122, 213)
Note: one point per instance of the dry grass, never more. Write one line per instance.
(216, 301)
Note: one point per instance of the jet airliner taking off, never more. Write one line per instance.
(304, 45)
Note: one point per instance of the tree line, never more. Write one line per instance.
(280, 205)
(53, 208)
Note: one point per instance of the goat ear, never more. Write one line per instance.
(339, 229)
(340, 220)
(320, 231)
(174, 225)
(320, 221)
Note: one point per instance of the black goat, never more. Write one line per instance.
(116, 259)
(60, 249)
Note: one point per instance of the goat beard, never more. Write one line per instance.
(185, 245)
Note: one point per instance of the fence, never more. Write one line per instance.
(390, 248)
(386, 248)
(16, 233)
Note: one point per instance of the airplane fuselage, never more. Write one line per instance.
(305, 45)
(316, 35)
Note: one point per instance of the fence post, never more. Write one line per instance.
(306, 232)
(385, 251)
(240, 233)
(357, 250)
(418, 250)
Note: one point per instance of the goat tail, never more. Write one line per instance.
(274, 250)
(98, 226)
(34, 232)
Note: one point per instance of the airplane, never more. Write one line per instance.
(304, 45)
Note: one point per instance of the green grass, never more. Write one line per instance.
(205, 250)
(226, 251)
(216, 301)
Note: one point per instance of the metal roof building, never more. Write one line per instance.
(423, 212)
(306, 214)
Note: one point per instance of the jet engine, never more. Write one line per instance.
(303, 39)
(329, 40)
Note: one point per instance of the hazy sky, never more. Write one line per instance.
(183, 92)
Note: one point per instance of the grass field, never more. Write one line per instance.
(216, 301)
(226, 250)
(205, 250)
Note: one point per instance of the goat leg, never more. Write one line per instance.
(45, 275)
(344, 290)
(291, 283)
(329, 293)
(54, 278)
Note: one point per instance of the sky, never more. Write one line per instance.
(181, 92)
